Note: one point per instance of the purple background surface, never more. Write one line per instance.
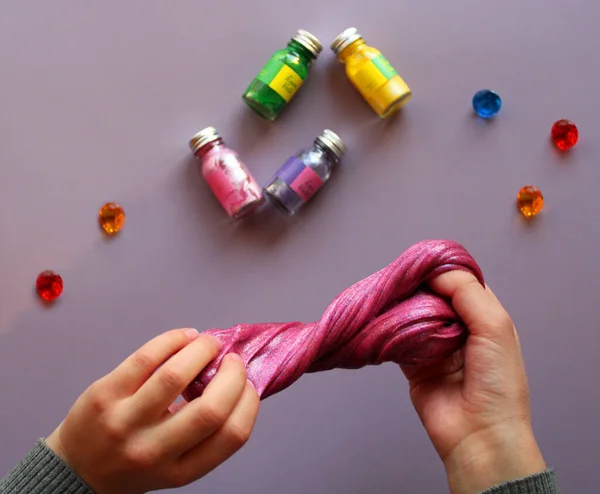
(98, 100)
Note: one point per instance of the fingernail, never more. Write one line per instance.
(218, 342)
(192, 334)
(251, 385)
(235, 356)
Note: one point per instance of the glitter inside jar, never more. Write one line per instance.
(282, 76)
(303, 174)
(227, 176)
(371, 73)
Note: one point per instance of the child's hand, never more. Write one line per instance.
(125, 435)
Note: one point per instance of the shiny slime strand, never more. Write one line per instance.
(389, 316)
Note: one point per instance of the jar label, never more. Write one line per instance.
(374, 74)
(302, 179)
(280, 78)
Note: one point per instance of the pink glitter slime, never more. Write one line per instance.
(389, 316)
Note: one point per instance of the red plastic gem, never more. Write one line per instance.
(49, 285)
(564, 134)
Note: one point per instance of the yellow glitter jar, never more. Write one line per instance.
(371, 74)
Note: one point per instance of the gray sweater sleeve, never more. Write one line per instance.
(540, 483)
(41, 471)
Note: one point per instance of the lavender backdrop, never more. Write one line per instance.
(97, 102)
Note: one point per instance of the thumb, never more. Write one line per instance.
(476, 305)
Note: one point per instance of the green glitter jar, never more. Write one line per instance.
(282, 76)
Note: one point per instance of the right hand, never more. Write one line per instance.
(124, 435)
(475, 406)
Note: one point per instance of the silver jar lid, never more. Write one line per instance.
(345, 39)
(203, 137)
(333, 142)
(309, 41)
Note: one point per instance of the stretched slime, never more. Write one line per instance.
(390, 316)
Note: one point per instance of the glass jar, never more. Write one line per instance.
(304, 174)
(371, 74)
(278, 81)
(226, 175)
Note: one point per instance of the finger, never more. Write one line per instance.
(176, 407)
(168, 382)
(418, 374)
(224, 443)
(476, 305)
(136, 369)
(430, 386)
(515, 332)
(204, 416)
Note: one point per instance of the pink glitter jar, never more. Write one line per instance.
(226, 175)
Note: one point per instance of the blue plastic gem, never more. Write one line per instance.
(486, 103)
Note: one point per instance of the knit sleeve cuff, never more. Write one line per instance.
(41, 471)
(539, 483)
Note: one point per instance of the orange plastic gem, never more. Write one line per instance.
(111, 218)
(49, 285)
(530, 201)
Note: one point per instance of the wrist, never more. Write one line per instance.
(492, 457)
(53, 442)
